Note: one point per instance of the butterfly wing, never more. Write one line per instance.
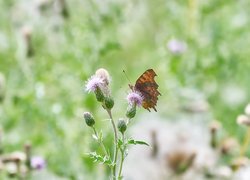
(147, 86)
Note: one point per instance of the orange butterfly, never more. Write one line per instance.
(147, 86)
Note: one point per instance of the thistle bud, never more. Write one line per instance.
(109, 102)
(89, 119)
(122, 125)
(131, 112)
(99, 95)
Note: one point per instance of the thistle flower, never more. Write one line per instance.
(93, 83)
(176, 46)
(37, 162)
(135, 98)
(104, 75)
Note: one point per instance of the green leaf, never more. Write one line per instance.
(100, 159)
(120, 142)
(100, 136)
(132, 141)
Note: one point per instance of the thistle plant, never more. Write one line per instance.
(112, 157)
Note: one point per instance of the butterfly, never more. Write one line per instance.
(147, 86)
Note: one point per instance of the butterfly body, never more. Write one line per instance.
(147, 87)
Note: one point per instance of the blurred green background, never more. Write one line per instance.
(49, 49)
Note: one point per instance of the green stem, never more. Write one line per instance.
(245, 143)
(192, 14)
(122, 160)
(116, 144)
(100, 142)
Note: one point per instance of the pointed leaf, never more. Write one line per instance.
(132, 141)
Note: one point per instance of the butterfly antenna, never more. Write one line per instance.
(126, 76)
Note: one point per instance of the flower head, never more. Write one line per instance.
(176, 46)
(104, 75)
(135, 98)
(37, 162)
(243, 120)
(93, 83)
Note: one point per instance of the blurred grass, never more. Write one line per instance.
(124, 35)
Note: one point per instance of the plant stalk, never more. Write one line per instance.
(100, 142)
(122, 158)
(116, 144)
(245, 143)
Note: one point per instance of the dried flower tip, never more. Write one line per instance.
(243, 120)
(239, 162)
(180, 161)
(109, 102)
(89, 119)
(214, 126)
(93, 83)
(131, 112)
(122, 126)
(247, 110)
(18, 156)
(37, 162)
(104, 75)
(229, 146)
(27, 146)
(26, 31)
(134, 98)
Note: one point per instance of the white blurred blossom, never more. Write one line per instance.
(171, 137)
(40, 90)
(233, 95)
(242, 174)
(247, 109)
(56, 108)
